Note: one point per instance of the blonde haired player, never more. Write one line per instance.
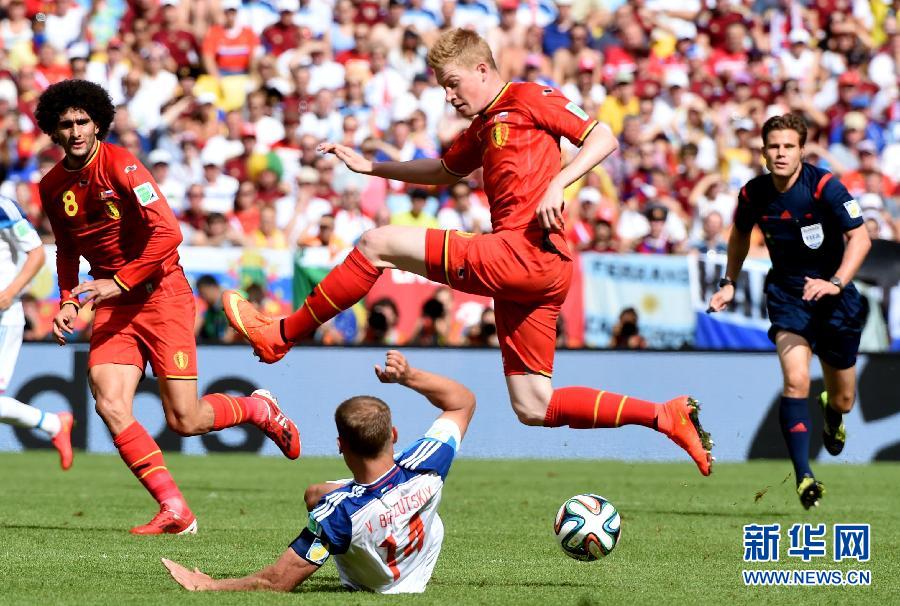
(21, 257)
(524, 264)
(383, 526)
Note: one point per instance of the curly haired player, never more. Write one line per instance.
(103, 205)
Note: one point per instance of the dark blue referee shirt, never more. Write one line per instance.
(804, 226)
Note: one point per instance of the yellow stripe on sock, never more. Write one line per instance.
(151, 470)
(597, 407)
(327, 298)
(231, 405)
(621, 406)
(144, 458)
(447, 256)
(312, 313)
(239, 412)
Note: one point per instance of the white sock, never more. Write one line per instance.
(13, 412)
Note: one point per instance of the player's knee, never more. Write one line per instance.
(372, 244)
(843, 401)
(113, 411)
(796, 383)
(529, 413)
(184, 424)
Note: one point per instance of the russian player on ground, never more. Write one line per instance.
(382, 527)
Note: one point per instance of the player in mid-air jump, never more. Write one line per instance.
(104, 205)
(383, 526)
(817, 241)
(21, 257)
(525, 264)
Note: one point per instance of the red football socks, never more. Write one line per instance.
(234, 410)
(585, 408)
(342, 287)
(143, 456)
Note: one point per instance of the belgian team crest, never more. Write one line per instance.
(499, 134)
(112, 210)
(181, 359)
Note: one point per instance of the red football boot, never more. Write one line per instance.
(168, 521)
(278, 427)
(62, 441)
(681, 423)
(263, 332)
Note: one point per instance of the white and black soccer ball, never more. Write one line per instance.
(587, 527)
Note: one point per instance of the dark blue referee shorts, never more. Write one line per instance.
(831, 325)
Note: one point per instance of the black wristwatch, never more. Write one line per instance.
(726, 282)
(837, 282)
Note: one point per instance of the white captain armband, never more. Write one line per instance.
(446, 431)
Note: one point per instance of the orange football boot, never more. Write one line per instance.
(682, 425)
(278, 427)
(168, 521)
(62, 441)
(263, 332)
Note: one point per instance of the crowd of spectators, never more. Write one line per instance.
(225, 101)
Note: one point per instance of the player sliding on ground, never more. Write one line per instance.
(104, 205)
(525, 264)
(383, 526)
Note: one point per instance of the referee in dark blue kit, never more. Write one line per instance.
(816, 239)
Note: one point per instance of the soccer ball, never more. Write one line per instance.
(587, 527)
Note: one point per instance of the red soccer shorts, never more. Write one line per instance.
(528, 284)
(159, 331)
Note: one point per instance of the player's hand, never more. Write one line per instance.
(723, 297)
(348, 156)
(396, 368)
(97, 290)
(6, 299)
(192, 580)
(814, 289)
(550, 209)
(63, 323)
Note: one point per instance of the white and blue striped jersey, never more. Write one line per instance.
(386, 536)
(17, 239)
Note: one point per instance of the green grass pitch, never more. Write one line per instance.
(65, 535)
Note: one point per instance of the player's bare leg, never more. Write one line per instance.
(837, 400)
(189, 416)
(378, 249)
(536, 403)
(113, 386)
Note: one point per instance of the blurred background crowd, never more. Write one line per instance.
(225, 101)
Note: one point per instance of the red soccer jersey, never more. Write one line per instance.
(516, 139)
(112, 213)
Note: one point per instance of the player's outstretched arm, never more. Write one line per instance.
(424, 172)
(457, 402)
(738, 247)
(284, 575)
